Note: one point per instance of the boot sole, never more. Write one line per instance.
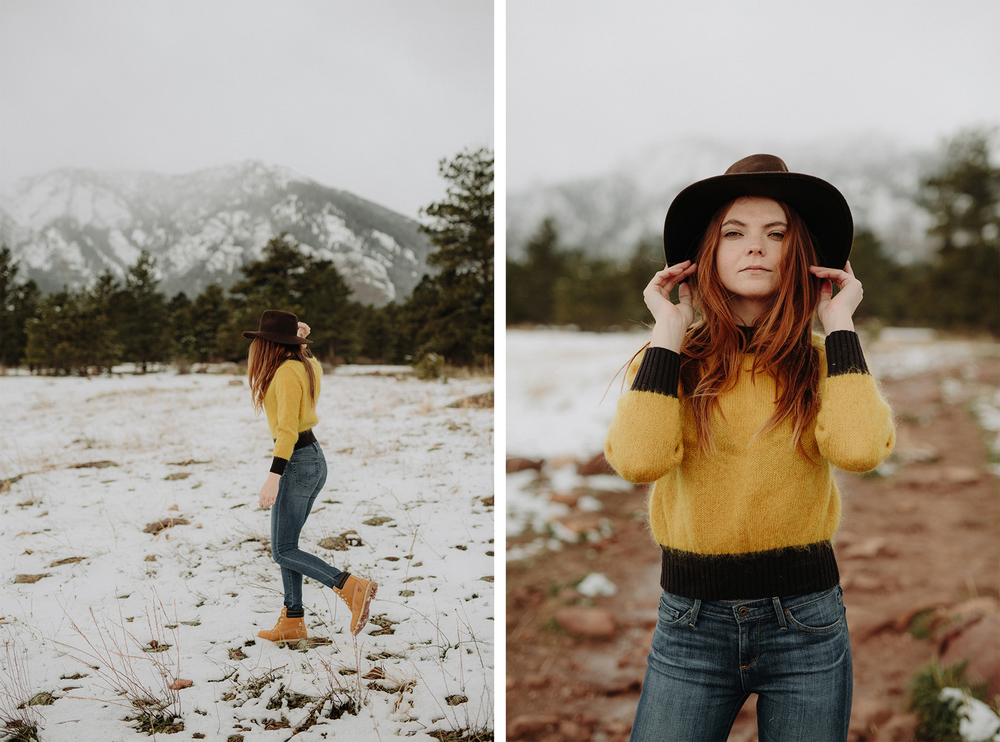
(363, 618)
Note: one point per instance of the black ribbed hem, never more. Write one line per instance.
(278, 465)
(306, 438)
(844, 354)
(660, 372)
(295, 612)
(763, 574)
(341, 579)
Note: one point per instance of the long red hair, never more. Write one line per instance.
(263, 361)
(782, 346)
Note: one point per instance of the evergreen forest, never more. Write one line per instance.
(958, 290)
(447, 319)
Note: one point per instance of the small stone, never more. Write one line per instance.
(597, 465)
(962, 475)
(28, 579)
(574, 732)
(596, 623)
(526, 724)
(164, 524)
(565, 498)
(515, 465)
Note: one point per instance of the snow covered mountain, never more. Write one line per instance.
(608, 214)
(69, 225)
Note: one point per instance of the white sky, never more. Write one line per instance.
(590, 82)
(363, 96)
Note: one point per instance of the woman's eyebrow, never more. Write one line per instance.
(738, 223)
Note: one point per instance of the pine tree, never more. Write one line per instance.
(452, 311)
(964, 200)
(286, 278)
(18, 302)
(54, 334)
(531, 285)
(144, 322)
(100, 334)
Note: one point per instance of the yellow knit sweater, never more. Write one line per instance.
(288, 406)
(756, 496)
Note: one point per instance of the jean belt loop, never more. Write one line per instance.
(694, 613)
(780, 613)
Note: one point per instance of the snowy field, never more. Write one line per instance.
(91, 604)
(562, 389)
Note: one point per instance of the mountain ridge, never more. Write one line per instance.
(68, 225)
(607, 214)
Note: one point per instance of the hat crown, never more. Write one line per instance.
(278, 322)
(758, 164)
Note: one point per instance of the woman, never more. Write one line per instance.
(285, 382)
(739, 419)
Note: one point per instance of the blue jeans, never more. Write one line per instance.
(708, 657)
(302, 481)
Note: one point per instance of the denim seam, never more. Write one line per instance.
(756, 643)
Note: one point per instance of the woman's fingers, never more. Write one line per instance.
(839, 277)
(670, 276)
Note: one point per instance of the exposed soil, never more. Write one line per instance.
(924, 537)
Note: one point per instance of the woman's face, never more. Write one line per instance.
(749, 254)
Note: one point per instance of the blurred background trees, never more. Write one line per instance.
(957, 290)
(449, 315)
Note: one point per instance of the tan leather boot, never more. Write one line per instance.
(358, 595)
(286, 630)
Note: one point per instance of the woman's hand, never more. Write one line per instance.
(304, 330)
(837, 312)
(672, 320)
(269, 492)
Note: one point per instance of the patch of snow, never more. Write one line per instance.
(126, 253)
(977, 722)
(386, 241)
(337, 232)
(596, 584)
(191, 447)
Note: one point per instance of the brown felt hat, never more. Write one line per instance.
(822, 207)
(278, 327)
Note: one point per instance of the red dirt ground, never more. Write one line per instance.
(924, 537)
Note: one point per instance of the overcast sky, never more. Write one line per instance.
(590, 82)
(363, 96)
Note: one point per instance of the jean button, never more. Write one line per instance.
(743, 610)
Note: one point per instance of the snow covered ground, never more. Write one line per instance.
(562, 388)
(86, 465)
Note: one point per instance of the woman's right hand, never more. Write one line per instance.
(672, 320)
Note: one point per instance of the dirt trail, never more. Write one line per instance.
(921, 539)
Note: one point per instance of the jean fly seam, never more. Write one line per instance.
(756, 643)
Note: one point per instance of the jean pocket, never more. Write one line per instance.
(819, 616)
(672, 612)
(305, 472)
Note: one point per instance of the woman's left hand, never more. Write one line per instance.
(837, 312)
(304, 330)
(269, 492)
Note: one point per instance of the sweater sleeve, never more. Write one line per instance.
(288, 396)
(854, 427)
(645, 440)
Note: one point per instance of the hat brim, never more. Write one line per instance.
(822, 207)
(276, 338)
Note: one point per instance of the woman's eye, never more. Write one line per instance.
(730, 233)
(778, 235)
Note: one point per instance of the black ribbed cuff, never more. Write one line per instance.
(844, 354)
(795, 570)
(278, 465)
(295, 612)
(660, 372)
